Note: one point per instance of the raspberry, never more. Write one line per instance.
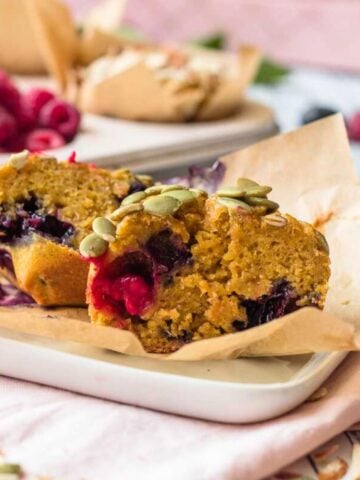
(10, 97)
(353, 127)
(7, 126)
(36, 98)
(15, 144)
(25, 117)
(43, 139)
(60, 116)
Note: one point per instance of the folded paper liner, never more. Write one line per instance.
(137, 94)
(313, 177)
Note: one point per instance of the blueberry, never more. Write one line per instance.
(29, 218)
(280, 301)
(316, 113)
(168, 250)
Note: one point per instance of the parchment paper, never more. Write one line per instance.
(313, 177)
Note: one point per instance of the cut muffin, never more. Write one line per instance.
(46, 209)
(157, 83)
(180, 266)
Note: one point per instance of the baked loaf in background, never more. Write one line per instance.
(46, 209)
(162, 84)
(183, 266)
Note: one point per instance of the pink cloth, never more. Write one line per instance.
(74, 437)
(320, 32)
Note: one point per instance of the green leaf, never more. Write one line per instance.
(130, 33)
(271, 72)
(215, 41)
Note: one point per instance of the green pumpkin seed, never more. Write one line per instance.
(276, 220)
(154, 190)
(258, 191)
(146, 179)
(161, 205)
(104, 229)
(170, 188)
(93, 246)
(262, 202)
(133, 198)
(231, 192)
(246, 183)
(198, 191)
(233, 203)
(322, 241)
(10, 468)
(184, 196)
(121, 212)
(17, 160)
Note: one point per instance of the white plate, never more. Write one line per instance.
(153, 146)
(232, 391)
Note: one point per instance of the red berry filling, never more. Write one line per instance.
(127, 286)
(124, 286)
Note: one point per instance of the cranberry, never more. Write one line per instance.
(43, 139)
(62, 117)
(353, 127)
(7, 126)
(37, 98)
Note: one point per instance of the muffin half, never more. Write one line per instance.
(174, 266)
(46, 209)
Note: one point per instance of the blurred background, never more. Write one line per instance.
(315, 40)
(312, 32)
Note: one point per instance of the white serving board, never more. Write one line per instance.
(151, 147)
(231, 391)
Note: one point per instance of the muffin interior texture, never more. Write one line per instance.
(205, 271)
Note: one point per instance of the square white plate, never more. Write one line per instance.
(232, 391)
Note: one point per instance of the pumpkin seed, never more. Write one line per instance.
(276, 220)
(231, 192)
(161, 205)
(145, 179)
(93, 246)
(198, 191)
(133, 198)
(262, 202)
(233, 203)
(121, 212)
(169, 188)
(246, 183)
(258, 191)
(17, 160)
(155, 189)
(322, 241)
(184, 196)
(10, 468)
(104, 229)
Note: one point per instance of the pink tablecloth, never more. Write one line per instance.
(74, 437)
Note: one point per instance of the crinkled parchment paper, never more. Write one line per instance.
(313, 177)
